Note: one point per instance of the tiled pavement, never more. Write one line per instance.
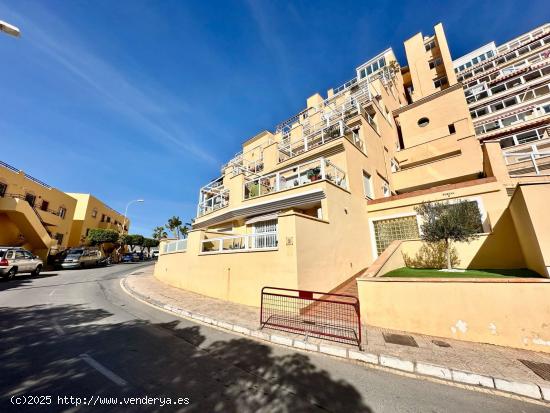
(483, 359)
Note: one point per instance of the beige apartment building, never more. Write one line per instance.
(92, 213)
(45, 220)
(315, 202)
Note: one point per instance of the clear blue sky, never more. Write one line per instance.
(146, 99)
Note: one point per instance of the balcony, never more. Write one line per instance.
(267, 241)
(529, 160)
(316, 170)
(215, 202)
(514, 119)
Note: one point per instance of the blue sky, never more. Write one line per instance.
(146, 99)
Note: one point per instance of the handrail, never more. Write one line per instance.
(30, 177)
(260, 241)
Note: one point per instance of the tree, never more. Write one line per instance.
(159, 233)
(174, 225)
(449, 222)
(150, 243)
(134, 241)
(184, 230)
(99, 237)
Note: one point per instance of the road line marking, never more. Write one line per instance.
(58, 329)
(104, 370)
(53, 292)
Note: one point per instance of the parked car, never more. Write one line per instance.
(155, 255)
(82, 257)
(15, 260)
(130, 257)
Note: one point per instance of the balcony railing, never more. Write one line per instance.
(294, 176)
(240, 243)
(218, 201)
(174, 246)
(514, 119)
(528, 163)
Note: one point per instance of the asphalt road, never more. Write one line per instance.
(76, 333)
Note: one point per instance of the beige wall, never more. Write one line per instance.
(503, 312)
(529, 210)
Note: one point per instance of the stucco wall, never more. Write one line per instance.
(486, 311)
(238, 276)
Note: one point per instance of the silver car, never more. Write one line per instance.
(15, 260)
(82, 257)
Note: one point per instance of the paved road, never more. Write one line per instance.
(76, 333)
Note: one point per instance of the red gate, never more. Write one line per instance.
(335, 317)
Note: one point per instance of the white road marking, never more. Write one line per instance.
(104, 370)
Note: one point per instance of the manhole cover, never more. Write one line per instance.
(540, 369)
(400, 339)
(441, 343)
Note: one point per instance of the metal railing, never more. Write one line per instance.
(335, 317)
(527, 163)
(240, 243)
(214, 203)
(32, 178)
(174, 246)
(514, 119)
(316, 170)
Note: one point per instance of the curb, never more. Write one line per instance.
(528, 390)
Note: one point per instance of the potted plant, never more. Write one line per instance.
(314, 174)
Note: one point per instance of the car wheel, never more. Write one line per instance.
(36, 271)
(10, 275)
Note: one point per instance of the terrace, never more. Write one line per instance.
(266, 241)
(312, 171)
(529, 159)
(213, 196)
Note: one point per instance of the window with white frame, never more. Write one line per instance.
(394, 165)
(265, 234)
(94, 213)
(385, 188)
(367, 185)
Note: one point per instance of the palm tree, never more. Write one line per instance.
(174, 225)
(159, 233)
(185, 230)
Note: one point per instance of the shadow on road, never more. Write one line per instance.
(42, 349)
(22, 280)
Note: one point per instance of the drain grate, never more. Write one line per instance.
(400, 339)
(441, 343)
(540, 369)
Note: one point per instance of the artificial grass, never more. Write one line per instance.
(406, 272)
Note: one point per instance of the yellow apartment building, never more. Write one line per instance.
(316, 201)
(92, 213)
(33, 214)
(45, 220)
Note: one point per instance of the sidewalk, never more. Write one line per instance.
(459, 361)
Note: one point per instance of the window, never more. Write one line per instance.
(388, 230)
(3, 188)
(19, 255)
(422, 122)
(442, 81)
(269, 240)
(30, 198)
(94, 213)
(367, 185)
(59, 238)
(394, 165)
(45, 205)
(373, 67)
(108, 219)
(386, 188)
(436, 62)
(452, 128)
(62, 212)
(430, 45)
(102, 217)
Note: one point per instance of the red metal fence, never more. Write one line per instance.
(334, 317)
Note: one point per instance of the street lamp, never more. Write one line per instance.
(126, 211)
(9, 29)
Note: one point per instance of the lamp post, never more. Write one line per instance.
(9, 29)
(126, 212)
